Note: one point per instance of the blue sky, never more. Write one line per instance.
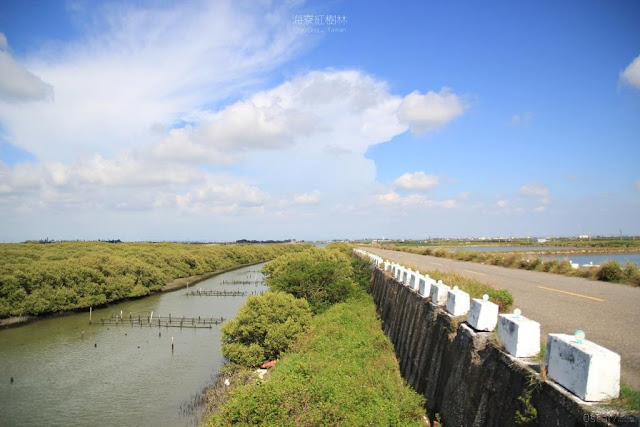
(227, 120)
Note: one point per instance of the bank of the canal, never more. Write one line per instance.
(67, 372)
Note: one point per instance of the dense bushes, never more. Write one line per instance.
(38, 278)
(343, 371)
(322, 276)
(264, 327)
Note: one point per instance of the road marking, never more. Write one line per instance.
(572, 294)
(474, 272)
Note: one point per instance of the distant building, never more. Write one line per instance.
(542, 240)
(583, 236)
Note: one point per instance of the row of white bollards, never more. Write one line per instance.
(586, 369)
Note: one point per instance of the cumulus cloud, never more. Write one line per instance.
(142, 120)
(631, 74)
(430, 111)
(534, 189)
(17, 84)
(392, 199)
(312, 198)
(417, 181)
(140, 66)
(214, 196)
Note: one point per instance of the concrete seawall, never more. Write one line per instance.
(463, 374)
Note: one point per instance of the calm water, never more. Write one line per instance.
(115, 376)
(580, 259)
(508, 248)
(622, 259)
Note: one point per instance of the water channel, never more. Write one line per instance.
(580, 258)
(67, 372)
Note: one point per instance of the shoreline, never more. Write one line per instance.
(170, 286)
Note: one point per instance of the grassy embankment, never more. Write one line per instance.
(610, 271)
(38, 279)
(341, 370)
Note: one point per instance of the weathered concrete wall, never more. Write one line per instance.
(463, 375)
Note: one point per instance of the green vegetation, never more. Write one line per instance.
(474, 288)
(321, 276)
(44, 278)
(628, 401)
(264, 327)
(342, 371)
(610, 271)
(526, 413)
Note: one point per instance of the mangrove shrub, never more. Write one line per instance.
(264, 327)
(321, 276)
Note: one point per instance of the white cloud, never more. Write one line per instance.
(412, 201)
(631, 74)
(539, 209)
(521, 119)
(417, 181)
(312, 198)
(534, 189)
(143, 67)
(502, 203)
(17, 84)
(430, 111)
(136, 123)
(217, 197)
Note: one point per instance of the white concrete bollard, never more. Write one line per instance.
(439, 293)
(416, 283)
(588, 370)
(405, 275)
(519, 335)
(386, 266)
(458, 302)
(483, 315)
(422, 286)
(412, 279)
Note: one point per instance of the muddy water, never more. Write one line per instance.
(67, 372)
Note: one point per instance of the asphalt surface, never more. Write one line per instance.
(609, 313)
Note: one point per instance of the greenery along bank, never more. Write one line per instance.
(45, 278)
(610, 271)
(335, 368)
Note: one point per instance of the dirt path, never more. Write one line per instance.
(609, 313)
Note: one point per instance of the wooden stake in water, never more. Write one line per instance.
(171, 344)
(90, 315)
(150, 317)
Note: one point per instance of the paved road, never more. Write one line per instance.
(609, 313)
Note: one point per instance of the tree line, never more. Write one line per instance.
(38, 279)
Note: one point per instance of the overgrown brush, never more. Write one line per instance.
(343, 371)
(44, 278)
